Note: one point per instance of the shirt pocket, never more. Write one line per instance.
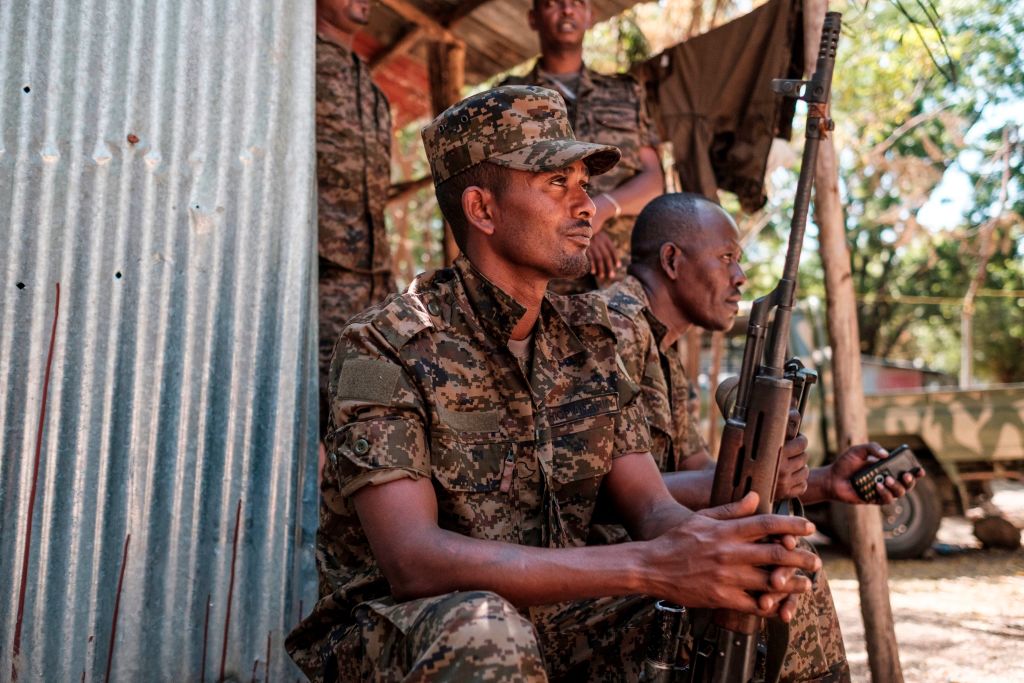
(617, 125)
(582, 437)
(467, 466)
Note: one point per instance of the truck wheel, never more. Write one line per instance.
(909, 525)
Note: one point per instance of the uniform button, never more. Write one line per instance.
(334, 458)
(361, 446)
(434, 309)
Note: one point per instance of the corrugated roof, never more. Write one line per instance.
(156, 160)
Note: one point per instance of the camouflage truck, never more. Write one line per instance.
(966, 438)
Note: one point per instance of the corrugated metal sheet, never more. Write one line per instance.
(157, 161)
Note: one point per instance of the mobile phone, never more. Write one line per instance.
(865, 479)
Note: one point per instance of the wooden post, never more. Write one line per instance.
(714, 414)
(868, 545)
(691, 360)
(446, 63)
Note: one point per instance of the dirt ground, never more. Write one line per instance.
(959, 613)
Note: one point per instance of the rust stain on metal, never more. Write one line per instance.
(268, 655)
(117, 607)
(206, 628)
(231, 589)
(133, 138)
(16, 645)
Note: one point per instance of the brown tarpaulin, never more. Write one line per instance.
(711, 97)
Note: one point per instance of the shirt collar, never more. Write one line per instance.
(658, 329)
(344, 50)
(497, 312)
(586, 83)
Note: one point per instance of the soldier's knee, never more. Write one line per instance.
(486, 631)
(472, 610)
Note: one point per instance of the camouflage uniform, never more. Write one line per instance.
(353, 146)
(665, 388)
(425, 386)
(815, 651)
(610, 110)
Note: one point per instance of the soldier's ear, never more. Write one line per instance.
(668, 260)
(478, 206)
(531, 19)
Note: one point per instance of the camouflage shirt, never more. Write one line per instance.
(424, 385)
(664, 386)
(353, 153)
(610, 110)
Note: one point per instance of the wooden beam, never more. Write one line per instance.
(401, 46)
(399, 192)
(433, 28)
(462, 10)
(446, 65)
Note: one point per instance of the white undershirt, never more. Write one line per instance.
(522, 349)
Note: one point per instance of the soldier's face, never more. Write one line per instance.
(709, 277)
(542, 222)
(347, 15)
(560, 22)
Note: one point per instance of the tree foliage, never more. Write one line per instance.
(904, 127)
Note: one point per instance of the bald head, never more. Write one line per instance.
(688, 248)
(677, 217)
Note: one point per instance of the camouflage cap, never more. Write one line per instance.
(522, 126)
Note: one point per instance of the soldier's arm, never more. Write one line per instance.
(693, 559)
(634, 194)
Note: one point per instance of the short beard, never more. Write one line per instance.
(572, 266)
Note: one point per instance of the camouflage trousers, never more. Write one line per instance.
(480, 636)
(816, 653)
(343, 294)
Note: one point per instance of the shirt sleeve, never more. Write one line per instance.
(631, 432)
(377, 429)
(647, 132)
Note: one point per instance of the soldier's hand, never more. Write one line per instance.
(716, 559)
(793, 469)
(856, 457)
(603, 259)
(782, 604)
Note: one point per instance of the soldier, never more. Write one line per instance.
(475, 419)
(353, 150)
(685, 271)
(605, 109)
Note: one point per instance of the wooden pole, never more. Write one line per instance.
(868, 545)
(714, 413)
(691, 360)
(446, 64)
